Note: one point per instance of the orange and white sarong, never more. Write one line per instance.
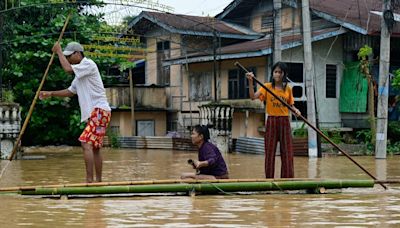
(95, 129)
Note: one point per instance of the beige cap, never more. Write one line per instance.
(72, 47)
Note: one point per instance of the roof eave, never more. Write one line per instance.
(338, 21)
(234, 4)
(211, 34)
(192, 32)
(258, 53)
(229, 9)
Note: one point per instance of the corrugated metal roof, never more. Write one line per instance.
(257, 47)
(355, 12)
(352, 14)
(195, 25)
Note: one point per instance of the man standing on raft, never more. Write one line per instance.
(95, 109)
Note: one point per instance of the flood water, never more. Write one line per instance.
(346, 208)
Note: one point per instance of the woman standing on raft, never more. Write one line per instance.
(278, 124)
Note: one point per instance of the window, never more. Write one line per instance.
(200, 86)
(163, 72)
(238, 85)
(296, 80)
(267, 21)
(331, 71)
(163, 45)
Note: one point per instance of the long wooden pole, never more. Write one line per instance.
(312, 126)
(21, 133)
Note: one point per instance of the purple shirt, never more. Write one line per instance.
(216, 164)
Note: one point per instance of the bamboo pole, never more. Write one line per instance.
(37, 92)
(204, 187)
(145, 182)
(312, 126)
(167, 181)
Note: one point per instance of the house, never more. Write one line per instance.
(193, 57)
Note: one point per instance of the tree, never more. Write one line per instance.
(363, 54)
(28, 36)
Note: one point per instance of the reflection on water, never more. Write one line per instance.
(349, 208)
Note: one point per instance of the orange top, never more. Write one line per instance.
(274, 107)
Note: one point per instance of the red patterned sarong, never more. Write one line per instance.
(95, 129)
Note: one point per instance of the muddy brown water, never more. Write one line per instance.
(370, 207)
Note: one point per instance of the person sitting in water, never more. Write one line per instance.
(210, 164)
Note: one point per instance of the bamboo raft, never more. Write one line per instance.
(204, 187)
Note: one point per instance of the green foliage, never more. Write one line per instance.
(335, 136)
(364, 135)
(300, 132)
(8, 96)
(126, 65)
(364, 52)
(28, 35)
(396, 79)
(393, 131)
(393, 148)
(113, 137)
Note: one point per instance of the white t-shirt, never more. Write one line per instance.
(89, 87)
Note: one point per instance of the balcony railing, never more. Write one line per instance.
(146, 97)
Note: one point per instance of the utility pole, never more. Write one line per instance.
(214, 46)
(383, 89)
(215, 64)
(277, 54)
(309, 72)
(132, 93)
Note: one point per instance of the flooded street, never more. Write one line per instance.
(347, 208)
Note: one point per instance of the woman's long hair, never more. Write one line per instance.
(202, 130)
(284, 69)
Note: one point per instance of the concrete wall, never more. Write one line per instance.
(153, 97)
(291, 18)
(328, 108)
(151, 61)
(174, 90)
(123, 120)
(257, 13)
(254, 121)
